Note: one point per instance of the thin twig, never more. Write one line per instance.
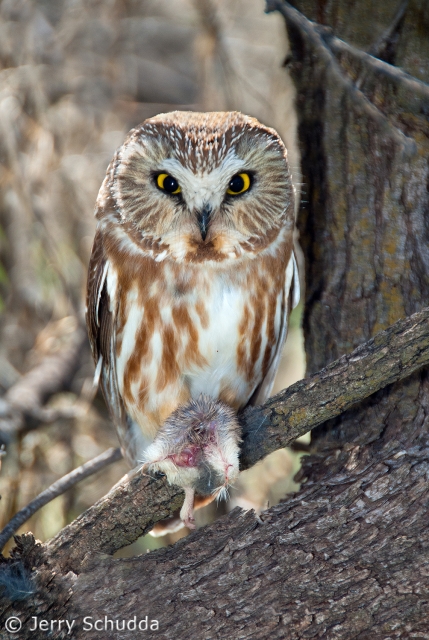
(393, 354)
(58, 488)
(317, 37)
(2, 453)
(386, 40)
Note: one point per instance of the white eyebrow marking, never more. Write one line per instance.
(203, 186)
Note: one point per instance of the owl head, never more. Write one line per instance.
(200, 186)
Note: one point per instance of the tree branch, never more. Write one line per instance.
(385, 46)
(391, 355)
(58, 488)
(323, 41)
(344, 558)
(136, 504)
(22, 406)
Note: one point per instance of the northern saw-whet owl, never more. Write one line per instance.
(192, 274)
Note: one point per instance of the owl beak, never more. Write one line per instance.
(203, 218)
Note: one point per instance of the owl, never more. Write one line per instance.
(192, 274)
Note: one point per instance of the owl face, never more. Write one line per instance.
(197, 186)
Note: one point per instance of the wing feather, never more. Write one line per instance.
(100, 320)
(291, 296)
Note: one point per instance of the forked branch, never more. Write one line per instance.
(138, 502)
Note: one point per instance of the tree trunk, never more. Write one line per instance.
(346, 557)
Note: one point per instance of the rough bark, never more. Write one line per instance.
(326, 563)
(392, 355)
(133, 507)
(364, 132)
(347, 557)
(365, 136)
(394, 31)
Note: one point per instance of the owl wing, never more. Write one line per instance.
(291, 296)
(100, 320)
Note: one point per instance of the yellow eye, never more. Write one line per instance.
(167, 183)
(238, 184)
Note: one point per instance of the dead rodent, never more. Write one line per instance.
(197, 448)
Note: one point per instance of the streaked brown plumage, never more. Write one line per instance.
(189, 291)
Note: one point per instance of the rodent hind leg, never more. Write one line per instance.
(173, 524)
(187, 510)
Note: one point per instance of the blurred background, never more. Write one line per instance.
(75, 76)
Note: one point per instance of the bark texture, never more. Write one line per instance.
(327, 563)
(348, 556)
(364, 131)
(132, 508)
